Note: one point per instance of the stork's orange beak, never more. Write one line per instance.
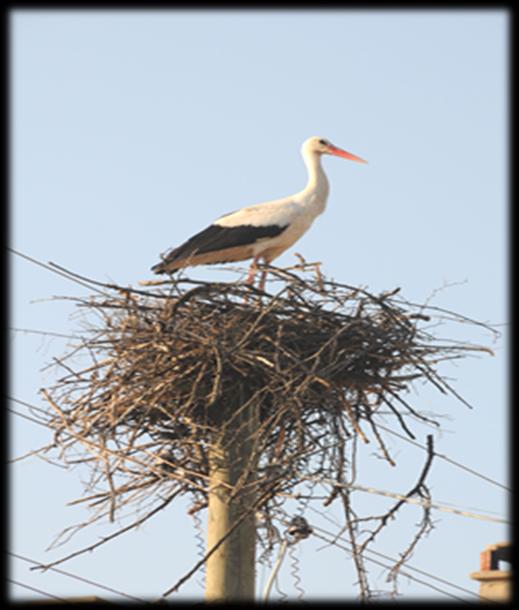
(338, 152)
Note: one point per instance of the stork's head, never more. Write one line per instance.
(321, 146)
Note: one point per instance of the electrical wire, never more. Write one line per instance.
(28, 405)
(80, 578)
(36, 590)
(429, 504)
(49, 268)
(32, 419)
(294, 571)
(47, 333)
(200, 541)
(275, 570)
(447, 459)
(408, 566)
(421, 502)
(31, 408)
(334, 542)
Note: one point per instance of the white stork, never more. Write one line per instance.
(262, 231)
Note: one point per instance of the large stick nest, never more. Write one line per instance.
(170, 370)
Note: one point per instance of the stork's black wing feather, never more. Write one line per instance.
(217, 237)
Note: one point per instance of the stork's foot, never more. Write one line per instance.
(252, 271)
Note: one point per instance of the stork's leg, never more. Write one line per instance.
(263, 275)
(252, 271)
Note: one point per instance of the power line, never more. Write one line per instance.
(47, 333)
(31, 419)
(49, 268)
(80, 578)
(26, 404)
(421, 502)
(334, 542)
(447, 459)
(36, 590)
(387, 557)
(429, 504)
(81, 279)
(29, 407)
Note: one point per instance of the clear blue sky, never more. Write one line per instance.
(132, 130)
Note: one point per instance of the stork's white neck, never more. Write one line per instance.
(315, 194)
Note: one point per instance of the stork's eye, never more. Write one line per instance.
(323, 142)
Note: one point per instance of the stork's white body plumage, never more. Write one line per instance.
(262, 231)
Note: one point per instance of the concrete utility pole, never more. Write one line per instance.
(230, 570)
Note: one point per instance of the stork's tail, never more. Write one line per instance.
(162, 267)
(158, 268)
